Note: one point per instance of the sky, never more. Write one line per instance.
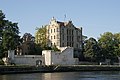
(94, 16)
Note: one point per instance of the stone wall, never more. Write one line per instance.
(25, 59)
(48, 57)
(29, 59)
(60, 58)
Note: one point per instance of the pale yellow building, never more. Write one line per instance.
(63, 34)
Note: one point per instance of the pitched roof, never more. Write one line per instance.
(61, 23)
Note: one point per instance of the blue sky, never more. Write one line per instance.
(95, 16)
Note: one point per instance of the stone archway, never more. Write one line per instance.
(38, 62)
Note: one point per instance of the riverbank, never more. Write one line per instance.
(58, 68)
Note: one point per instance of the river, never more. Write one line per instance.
(94, 75)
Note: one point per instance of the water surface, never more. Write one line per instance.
(95, 75)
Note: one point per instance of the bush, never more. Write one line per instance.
(55, 48)
(1, 62)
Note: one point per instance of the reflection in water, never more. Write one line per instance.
(96, 75)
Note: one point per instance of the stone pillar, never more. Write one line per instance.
(47, 56)
(11, 54)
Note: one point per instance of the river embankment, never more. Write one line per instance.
(57, 68)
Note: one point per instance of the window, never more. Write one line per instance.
(57, 29)
(62, 31)
(51, 44)
(54, 37)
(78, 38)
(76, 32)
(67, 44)
(67, 38)
(62, 44)
(67, 31)
(58, 37)
(48, 30)
(54, 30)
(51, 30)
(48, 37)
(72, 44)
(72, 38)
(72, 32)
(77, 45)
(51, 37)
(63, 37)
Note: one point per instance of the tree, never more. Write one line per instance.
(28, 45)
(110, 45)
(2, 24)
(27, 37)
(40, 37)
(117, 44)
(9, 31)
(106, 43)
(10, 37)
(91, 49)
(38, 49)
(55, 48)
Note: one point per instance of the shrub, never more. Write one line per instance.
(1, 62)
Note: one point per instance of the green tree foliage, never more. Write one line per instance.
(40, 37)
(1, 62)
(9, 37)
(107, 44)
(110, 45)
(55, 48)
(2, 24)
(117, 44)
(28, 41)
(91, 49)
(38, 49)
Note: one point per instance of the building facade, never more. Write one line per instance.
(64, 34)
